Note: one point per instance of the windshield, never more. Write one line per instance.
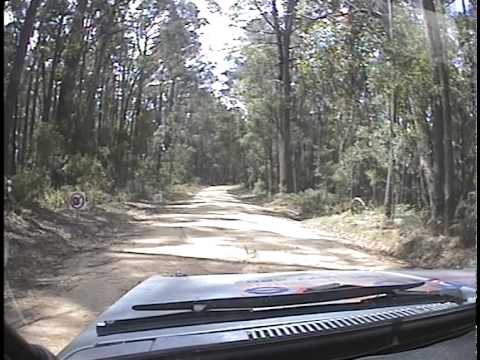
(201, 137)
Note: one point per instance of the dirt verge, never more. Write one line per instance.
(38, 240)
(411, 243)
(407, 240)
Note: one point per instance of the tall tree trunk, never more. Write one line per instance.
(43, 70)
(402, 193)
(271, 175)
(66, 102)
(13, 140)
(390, 185)
(430, 156)
(442, 113)
(124, 105)
(88, 122)
(423, 188)
(32, 116)
(293, 169)
(283, 45)
(138, 111)
(56, 89)
(14, 83)
(102, 110)
(159, 112)
(170, 98)
(56, 58)
(23, 152)
(80, 85)
(392, 106)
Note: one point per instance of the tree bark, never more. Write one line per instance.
(125, 102)
(392, 102)
(66, 102)
(14, 142)
(271, 175)
(89, 119)
(33, 115)
(23, 152)
(56, 58)
(88, 122)
(442, 113)
(389, 188)
(14, 83)
(283, 46)
(102, 109)
(159, 106)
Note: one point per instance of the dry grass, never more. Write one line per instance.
(39, 239)
(365, 230)
(407, 238)
(181, 192)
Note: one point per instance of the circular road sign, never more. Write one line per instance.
(78, 200)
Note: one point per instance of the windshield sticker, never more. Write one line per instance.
(435, 284)
(303, 283)
(267, 290)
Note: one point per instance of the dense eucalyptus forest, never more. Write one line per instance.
(368, 98)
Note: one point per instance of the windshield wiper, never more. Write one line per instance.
(322, 293)
(217, 312)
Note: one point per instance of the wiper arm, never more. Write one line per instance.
(189, 317)
(312, 295)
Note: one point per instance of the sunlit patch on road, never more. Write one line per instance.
(216, 226)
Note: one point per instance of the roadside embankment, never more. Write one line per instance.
(407, 238)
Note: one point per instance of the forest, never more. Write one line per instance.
(332, 99)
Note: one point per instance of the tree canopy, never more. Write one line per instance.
(372, 98)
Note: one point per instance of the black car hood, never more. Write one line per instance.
(160, 289)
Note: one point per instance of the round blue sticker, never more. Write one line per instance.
(267, 290)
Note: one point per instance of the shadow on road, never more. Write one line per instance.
(214, 233)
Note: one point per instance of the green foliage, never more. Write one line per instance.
(86, 173)
(311, 202)
(365, 159)
(349, 81)
(466, 217)
(155, 119)
(48, 146)
(54, 198)
(317, 202)
(28, 186)
(142, 186)
(409, 219)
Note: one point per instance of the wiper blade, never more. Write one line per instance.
(218, 315)
(312, 295)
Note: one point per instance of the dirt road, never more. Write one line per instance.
(217, 226)
(213, 233)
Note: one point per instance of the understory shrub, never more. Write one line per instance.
(466, 217)
(86, 173)
(259, 187)
(54, 198)
(316, 202)
(310, 202)
(27, 187)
